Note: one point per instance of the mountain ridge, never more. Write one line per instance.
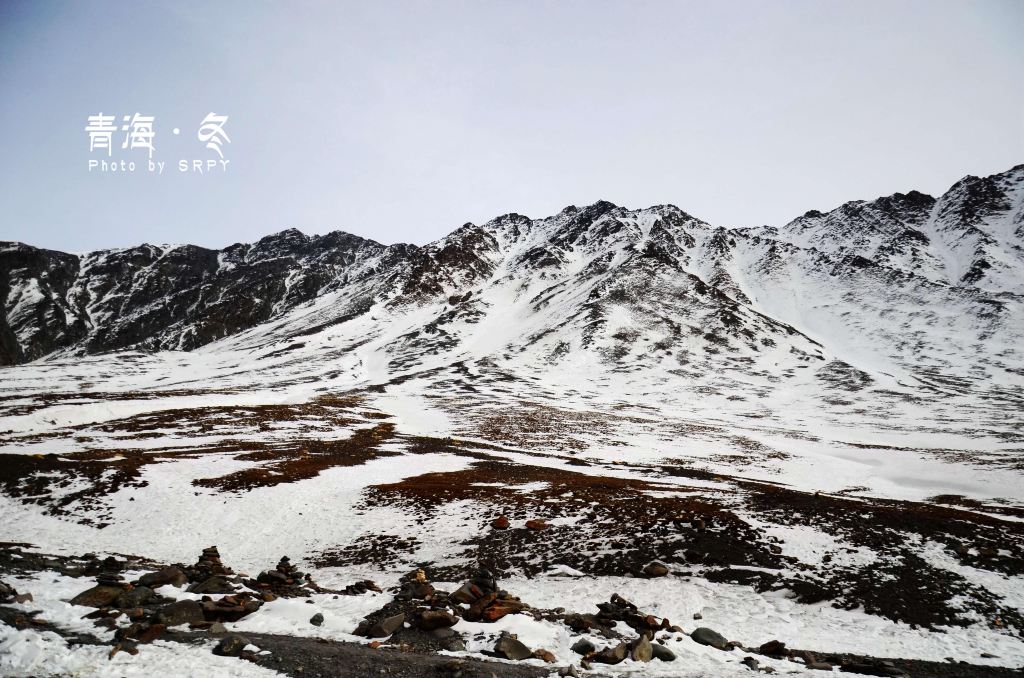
(969, 242)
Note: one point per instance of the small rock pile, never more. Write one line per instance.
(284, 581)
(486, 603)
(419, 616)
(209, 574)
(109, 586)
(618, 609)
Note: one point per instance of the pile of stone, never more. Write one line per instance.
(482, 601)
(284, 581)
(419, 616)
(229, 608)
(618, 609)
(209, 574)
(110, 585)
(359, 588)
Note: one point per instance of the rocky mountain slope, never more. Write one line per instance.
(805, 435)
(907, 284)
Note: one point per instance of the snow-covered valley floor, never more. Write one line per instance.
(832, 533)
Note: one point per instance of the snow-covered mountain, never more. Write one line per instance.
(917, 287)
(814, 429)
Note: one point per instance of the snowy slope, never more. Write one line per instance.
(836, 402)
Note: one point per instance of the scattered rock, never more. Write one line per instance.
(773, 648)
(169, 575)
(641, 650)
(180, 612)
(7, 593)
(98, 596)
(662, 653)
(500, 523)
(583, 647)
(501, 608)
(537, 524)
(432, 620)
(231, 645)
(706, 636)
(230, 608)
(216, 628)
(751, 663)
(510, 648)
(317, 619)
(656, 569)
(214, 584)
(611, 655)
(136, 597)
(150, 633)
(386, 627)
(698, 615)
(545, 655)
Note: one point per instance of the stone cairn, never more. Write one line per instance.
(110, 573)
(210, 575)
(208, 565)
(284, 581)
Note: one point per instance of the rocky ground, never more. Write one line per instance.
(131, 603)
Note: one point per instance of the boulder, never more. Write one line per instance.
(510, 648)
(386, 627)
(180, 612)
(537, 524)
(501, 608)
(214, 584)
(656, 569)
(151, 633)
(662, 653)
(500, 523)
(169, 575)
(583, 647)
(641, 650)
(137, 597)
(706, 636)
(611, 655)
(432, 620)
(544, 655)
(317, 619)
(467, 593)
(98, 596)
(231, 645)
(773, 648)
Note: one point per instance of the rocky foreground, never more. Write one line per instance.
(130, 605)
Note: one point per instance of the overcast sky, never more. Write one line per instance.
(400, 121)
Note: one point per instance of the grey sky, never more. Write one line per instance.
(399, 121)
